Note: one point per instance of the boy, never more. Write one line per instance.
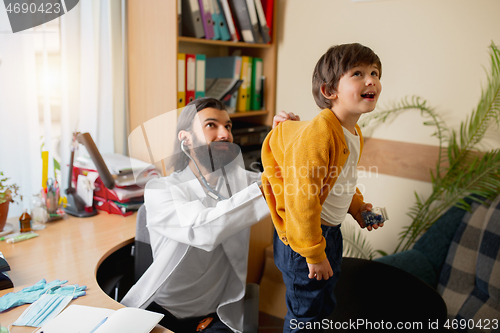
(309, 181)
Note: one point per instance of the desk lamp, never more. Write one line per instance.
(76, 205)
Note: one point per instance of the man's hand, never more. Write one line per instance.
(360, 221)
(283, 116)
(321, 270)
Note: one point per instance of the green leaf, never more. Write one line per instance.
(355, 243)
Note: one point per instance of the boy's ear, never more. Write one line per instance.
(327, 93)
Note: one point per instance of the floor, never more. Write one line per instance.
(270, 324)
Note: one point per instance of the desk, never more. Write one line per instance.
(71, 249)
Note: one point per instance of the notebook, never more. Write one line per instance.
(85, 319)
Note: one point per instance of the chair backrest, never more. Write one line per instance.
(143, 254)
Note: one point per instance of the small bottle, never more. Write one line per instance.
(38, 213)
(25, 221)
(376, 215)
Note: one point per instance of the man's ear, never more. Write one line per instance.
(327, 93)
(184, 136)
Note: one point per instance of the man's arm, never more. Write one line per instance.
(176, 212)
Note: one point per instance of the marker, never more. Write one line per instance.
(9, 236)
(99, 325)
(21, 237)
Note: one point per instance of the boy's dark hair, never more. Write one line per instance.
(179, 160)
(337, 61)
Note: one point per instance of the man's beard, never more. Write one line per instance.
(215, 155)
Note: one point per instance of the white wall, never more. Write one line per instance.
(19, 135)
(436, 49)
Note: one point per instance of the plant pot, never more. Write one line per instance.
(4, 209)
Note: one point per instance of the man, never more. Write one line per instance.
(199, 238)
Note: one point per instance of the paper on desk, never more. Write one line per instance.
(81, 318)
(117, 163)
(85, 187)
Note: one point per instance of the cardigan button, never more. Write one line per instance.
(346, 151)
(284, 239)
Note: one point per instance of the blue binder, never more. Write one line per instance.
(214, 23)
(201, 61)
(220, 21)
(224, 67)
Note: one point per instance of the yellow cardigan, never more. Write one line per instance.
(302, 161)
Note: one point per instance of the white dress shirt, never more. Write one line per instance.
(188, 228)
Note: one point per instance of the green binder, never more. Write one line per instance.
(256, 91)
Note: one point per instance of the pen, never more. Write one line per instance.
(21, 237)
(10, 236)
(99, 325)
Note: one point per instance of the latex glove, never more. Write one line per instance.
(69, 290)
(27, 295)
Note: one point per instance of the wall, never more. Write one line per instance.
(436, 49)
(20, 133)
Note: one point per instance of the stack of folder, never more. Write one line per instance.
(128, 194)
(222, 74)
(236, 20)
(248, 70)
(191, 78)
(235, 80)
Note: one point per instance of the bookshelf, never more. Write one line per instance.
(153, 44)
(222, 42)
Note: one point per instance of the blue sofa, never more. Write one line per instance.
(460, 257)
(425, 260)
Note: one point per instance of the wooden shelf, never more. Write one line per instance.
(152, 61)
(248, 114)
(222, 43)
(153, 44)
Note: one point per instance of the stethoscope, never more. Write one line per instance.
(212, 193)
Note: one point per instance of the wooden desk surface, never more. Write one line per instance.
(71, 249)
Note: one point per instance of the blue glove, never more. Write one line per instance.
(28, 294)
(69, 290)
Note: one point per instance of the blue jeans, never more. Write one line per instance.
(308, 300)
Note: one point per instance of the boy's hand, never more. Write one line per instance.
(282, 117)
(321, 270)
(359, 218)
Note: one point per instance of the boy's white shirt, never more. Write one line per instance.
(336, 205)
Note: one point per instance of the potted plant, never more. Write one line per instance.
(463, 170)
(7, 195)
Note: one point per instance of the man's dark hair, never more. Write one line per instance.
(179, 160)
(337, 61)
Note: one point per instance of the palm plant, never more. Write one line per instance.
(462, 170)
(355, 243)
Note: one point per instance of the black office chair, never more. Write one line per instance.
(143, 257)
(143, 254)
(377, 293)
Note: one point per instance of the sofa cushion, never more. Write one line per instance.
(435, 243)
(414, 262)
(470, 278)
(426, 258)
(488, 259)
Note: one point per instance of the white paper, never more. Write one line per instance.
(84, 190)
(83, 319)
